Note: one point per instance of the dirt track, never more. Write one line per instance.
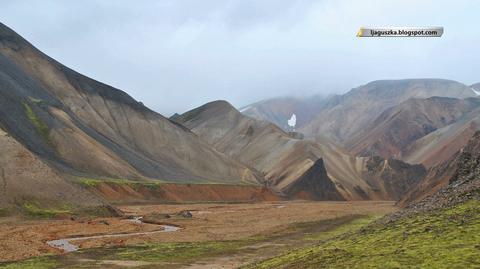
(23, 239)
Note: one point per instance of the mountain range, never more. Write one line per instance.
(420, 121)
(67, 138)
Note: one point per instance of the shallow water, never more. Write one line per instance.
(66, 245)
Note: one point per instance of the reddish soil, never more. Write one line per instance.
(125, 193)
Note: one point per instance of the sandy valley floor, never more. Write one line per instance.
(24, 239)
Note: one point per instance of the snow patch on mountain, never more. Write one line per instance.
(477, 92)
(292, 122)
(243, 109)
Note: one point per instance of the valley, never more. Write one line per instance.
(384, 175)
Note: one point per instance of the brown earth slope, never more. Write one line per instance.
(296, 167)
(25, 178)
(82, 125)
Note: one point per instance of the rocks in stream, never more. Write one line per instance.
(159, 218)
(185, 214)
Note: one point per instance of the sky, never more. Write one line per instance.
(174, 55)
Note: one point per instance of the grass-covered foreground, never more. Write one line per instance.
(150, 255)
(45, 262)
(446, 238)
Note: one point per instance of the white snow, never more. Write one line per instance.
(243, 109)
(292, 121)
(477, 92)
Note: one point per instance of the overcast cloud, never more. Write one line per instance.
(174, 55)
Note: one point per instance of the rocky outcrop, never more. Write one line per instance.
(314, 184)
(392, 177)
(458, 181)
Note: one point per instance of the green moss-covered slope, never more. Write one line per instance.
(443, 238)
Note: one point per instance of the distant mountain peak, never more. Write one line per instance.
(208, 110)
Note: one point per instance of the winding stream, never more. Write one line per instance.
(66, 245)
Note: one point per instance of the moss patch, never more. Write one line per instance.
(35, 263)
(40, 126)
(136, 185)
(447, 238)
(178, 252)
(36, 211)
(154, 184)
(349, 227)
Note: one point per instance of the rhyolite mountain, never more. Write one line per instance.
(417, 120)
(302, 168)
(398, 127)
(440, 145)
(78, 126)
(348, 114)
(340, 117)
